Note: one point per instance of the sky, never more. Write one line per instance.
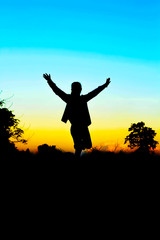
(85, 41)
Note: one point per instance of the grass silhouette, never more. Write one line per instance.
(51, 158)
(58, 174)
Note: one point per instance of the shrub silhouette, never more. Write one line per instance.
(9, 130)
(141, 137)
(42, 149)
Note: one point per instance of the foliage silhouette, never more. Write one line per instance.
(49, 152)
(45, 148)
(10, 132)
(141, 137)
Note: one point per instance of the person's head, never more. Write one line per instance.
(76, 88)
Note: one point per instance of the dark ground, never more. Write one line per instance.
(97, 164)
(107, 188)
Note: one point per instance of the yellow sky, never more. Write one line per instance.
(111, 139)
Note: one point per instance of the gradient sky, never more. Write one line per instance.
(84, 41)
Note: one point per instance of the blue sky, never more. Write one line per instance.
(84, 41)
(110, 27)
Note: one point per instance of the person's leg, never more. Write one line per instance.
(76, 135)
(78, 153)
(87, 143)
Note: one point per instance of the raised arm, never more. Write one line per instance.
(95, 92)
(55, 89)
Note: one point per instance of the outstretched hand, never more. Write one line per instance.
(47, 76)
(108, 81)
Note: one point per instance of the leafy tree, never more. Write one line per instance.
(10, 132)
(141, 136)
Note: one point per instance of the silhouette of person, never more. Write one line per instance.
(76, 112)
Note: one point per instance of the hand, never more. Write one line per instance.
(47, 77)
(108, 81)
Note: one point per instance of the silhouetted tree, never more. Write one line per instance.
(9, 129)
(141, 137)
